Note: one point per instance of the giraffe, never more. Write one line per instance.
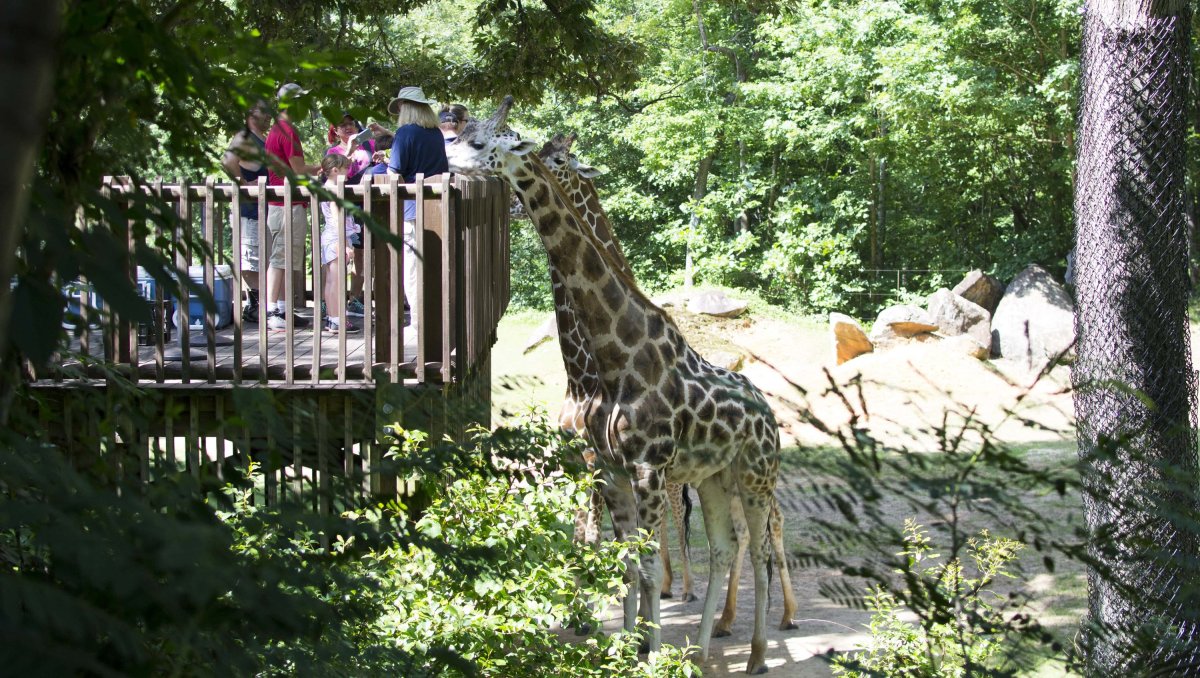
(661, 411)
(575, 179)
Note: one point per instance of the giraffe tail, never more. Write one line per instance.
(687, 520)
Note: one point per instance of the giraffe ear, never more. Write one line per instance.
(523, 147)
(588, 172)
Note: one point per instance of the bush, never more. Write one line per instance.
(965, 640)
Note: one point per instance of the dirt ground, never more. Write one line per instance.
(899, 395)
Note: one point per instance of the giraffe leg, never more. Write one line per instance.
(648, 487)
(675, 496)
(785, 579)
(715, 496)
(729, 613)
(619, 497)
(757, 509)
(665, 551)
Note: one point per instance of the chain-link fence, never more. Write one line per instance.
(1135, 390)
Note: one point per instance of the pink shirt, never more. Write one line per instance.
(359, 160)
(284, 143)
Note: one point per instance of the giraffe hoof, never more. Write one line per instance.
(690, 598)
(788, 625)
(666, 595)
(721, 633)
(758, 671)
(644, 647)
(583, 630)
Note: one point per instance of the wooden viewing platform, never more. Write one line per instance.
(332, 391)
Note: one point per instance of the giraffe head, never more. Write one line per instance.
(489, 146)
(558, 158)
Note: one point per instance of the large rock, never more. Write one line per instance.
(964, 345)
(546, 331)
(957, 315)
(897, 324)
(716, 304)
(849, 340)
(1035, 321)
(981, 289)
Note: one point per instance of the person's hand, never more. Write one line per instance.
(377, 129)
(379, 156)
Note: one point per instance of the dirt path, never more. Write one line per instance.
(899, 396)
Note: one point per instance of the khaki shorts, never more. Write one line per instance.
(299, 230)
(250, 249)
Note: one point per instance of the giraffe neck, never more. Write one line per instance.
(612, 313)
(586, 199)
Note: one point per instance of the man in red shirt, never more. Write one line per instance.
(284, 153)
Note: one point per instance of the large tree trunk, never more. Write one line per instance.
(1135, 388)
(28, 33)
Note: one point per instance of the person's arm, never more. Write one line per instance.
(231, 163)
(300, 167)
(394, 166)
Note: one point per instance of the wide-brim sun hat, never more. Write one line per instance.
(408, 94)
(290, 91)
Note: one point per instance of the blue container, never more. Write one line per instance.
(76, 292)
(222, 294)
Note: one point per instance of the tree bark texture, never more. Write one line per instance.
(28, 32)
(1135, 389)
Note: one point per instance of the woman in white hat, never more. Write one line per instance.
(418, 148)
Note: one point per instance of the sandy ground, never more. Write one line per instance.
(897, 395)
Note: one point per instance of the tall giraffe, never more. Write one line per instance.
(582, 381)
(575, 178)
(662, 411)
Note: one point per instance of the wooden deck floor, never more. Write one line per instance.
(171, 366)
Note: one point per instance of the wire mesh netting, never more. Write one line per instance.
(1135, 391)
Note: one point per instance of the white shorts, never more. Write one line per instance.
(329, 247)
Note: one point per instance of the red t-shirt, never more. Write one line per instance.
(284, 143)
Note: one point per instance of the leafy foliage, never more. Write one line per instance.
(964, 643)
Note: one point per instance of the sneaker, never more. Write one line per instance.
(355, 307)
(332, 326)
(277, 320)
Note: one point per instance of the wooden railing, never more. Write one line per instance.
(462, 251)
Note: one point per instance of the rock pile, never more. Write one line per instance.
(1031, 321)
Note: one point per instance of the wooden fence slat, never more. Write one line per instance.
(368, 274)
(318, 273)
(182, 261)
(236, 256)
(210, 237)
(417, 303)
(264, 300)
(450, 234)
(342, 266)
(289, 348)
(396, 255)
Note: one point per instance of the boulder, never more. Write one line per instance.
(956, 315)
(849, 340)
(716, 304)
(898, 323)
(964, 345)
(1034, 321)
(981, 289)
(730, 361)
(546, 331)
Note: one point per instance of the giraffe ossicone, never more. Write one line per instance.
(661, 412)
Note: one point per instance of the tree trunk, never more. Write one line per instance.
(28, 33)
(1135, 389)
(698, 192)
